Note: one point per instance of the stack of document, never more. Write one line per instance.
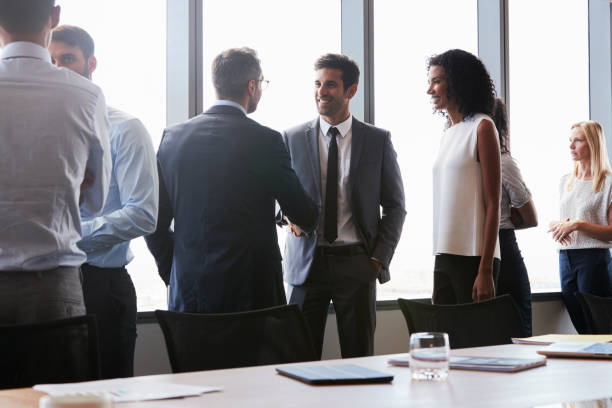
(126, 389)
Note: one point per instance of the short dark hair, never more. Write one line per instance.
(348, 67)
(500, 118)
(25, 16)
(75, 37)
(233, 69)
(468, 81)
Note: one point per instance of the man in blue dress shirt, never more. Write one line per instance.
(130, 212)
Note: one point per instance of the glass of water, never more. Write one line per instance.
(429, 354)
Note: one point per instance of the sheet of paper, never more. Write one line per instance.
(557, 338)
(127, 389)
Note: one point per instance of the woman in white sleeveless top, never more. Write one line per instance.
(584, 232)
(467, 180)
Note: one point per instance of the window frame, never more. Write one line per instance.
(185, 58)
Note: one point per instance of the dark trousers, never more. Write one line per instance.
(350, 283)
(513, 278)
(110, 296)
(583, 270)
(36, 296)
(454, 277)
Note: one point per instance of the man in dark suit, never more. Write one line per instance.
(351, 168)
(220, 174)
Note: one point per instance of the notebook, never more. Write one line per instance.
(578, 349)
(499, 364)
(337, 374)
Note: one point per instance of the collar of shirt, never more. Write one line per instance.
(24, 49)
(343, 127)
(225, 102)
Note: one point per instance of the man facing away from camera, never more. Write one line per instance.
(54, 132)
(220, 175)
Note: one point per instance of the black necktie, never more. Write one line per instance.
(331, 189)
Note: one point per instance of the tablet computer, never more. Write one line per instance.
(335, 374)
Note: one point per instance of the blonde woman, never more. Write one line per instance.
(585, 231)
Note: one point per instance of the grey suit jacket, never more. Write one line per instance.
(374, 181)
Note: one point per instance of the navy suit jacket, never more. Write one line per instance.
(220, 174)
(374, 182)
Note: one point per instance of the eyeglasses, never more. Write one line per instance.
(264, 83)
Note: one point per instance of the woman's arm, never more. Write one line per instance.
(562, 229)
(525, 216)
(489, 157)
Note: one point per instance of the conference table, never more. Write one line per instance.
(561, 380)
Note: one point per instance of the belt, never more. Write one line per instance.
(344, 250)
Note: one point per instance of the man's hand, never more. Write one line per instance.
(295, 230)
(483, 288)
(377, 265)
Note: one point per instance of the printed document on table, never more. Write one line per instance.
(127, 389)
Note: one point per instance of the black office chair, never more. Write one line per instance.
(212, 341)
(57, 351)
(485, 323)
(598, 312)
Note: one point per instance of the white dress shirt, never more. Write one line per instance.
(347, 232)
(131, 205)
(53, 126)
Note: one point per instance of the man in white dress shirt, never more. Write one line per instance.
(54, 130)
(130, 212)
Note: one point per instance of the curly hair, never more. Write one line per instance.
(500, 118)
(468, 81)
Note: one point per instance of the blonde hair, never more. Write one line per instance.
(600, 164)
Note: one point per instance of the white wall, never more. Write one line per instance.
(391, 335)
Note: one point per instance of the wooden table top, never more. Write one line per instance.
(561, 380)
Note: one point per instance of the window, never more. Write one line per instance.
(406, 34)
(130, 38)
(288, 37)
(549, 91)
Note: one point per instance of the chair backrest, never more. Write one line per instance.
(598, 311)
(56, 351)
(486, 323)
(212, 341)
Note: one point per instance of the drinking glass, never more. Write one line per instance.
(429, 354)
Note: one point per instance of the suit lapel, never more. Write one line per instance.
(356, 148)
(312, 147)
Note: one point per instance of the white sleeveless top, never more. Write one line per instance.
(458, 201)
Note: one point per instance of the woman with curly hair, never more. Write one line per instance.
(517, 212)
(584, 231)
(467, 180)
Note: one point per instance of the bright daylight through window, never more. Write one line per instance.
(404, 38)
(549, 91)
(131, 53)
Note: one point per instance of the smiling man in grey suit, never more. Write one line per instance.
(349, 167)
